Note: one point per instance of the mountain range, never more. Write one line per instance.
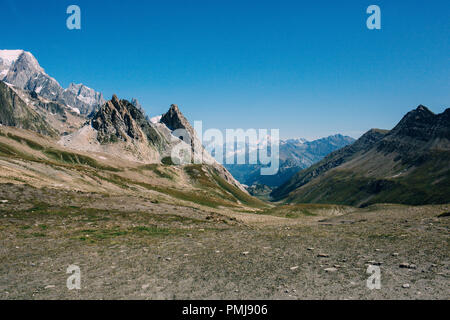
(73, 138)
(45, 127)
(408, 165)
(21, 69)
(295, 155)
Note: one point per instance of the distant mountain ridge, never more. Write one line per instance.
(295, 155)
(409, 165)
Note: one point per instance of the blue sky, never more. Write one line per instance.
(309, 68)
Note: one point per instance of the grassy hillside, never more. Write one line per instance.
(38, 161)
(408, 165)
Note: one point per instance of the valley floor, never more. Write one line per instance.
(131, 248)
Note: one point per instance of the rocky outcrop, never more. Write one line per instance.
(175, 120)
(119, 120)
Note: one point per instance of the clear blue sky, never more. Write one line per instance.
(309, 68)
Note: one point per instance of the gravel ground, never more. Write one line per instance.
(130, 248)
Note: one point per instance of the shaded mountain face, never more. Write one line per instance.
(409, 165)
(295, 155)
(15, 112)
(22, 70)
(61, 119)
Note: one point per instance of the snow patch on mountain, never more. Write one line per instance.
(21, 69)
(9, 56)
(156, 119)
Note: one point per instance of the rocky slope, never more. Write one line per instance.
(120, 120)
(175, 120)
(407, 165)
(121, 130)
(16, 113)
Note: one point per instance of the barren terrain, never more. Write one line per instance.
(131, 248)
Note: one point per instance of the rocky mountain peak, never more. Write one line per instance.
(174, 120)
(119, 120)
(422, 124)
(115, 122)
(136, 103)
(115, 99)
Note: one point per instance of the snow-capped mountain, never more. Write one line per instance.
(7, 58)
(22, 70)
(295, 155)
(82, 99)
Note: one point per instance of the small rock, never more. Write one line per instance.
(245, 253)
(310, 249)
(395, 254)
(378, 250)
(323, 255)
(3, 201)
(168, 259)
(294, 268)
(408, 266)
(374, 263)
(331, 270)
(49, 287)
(337, 266)
(217, 251)
(406, 286)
